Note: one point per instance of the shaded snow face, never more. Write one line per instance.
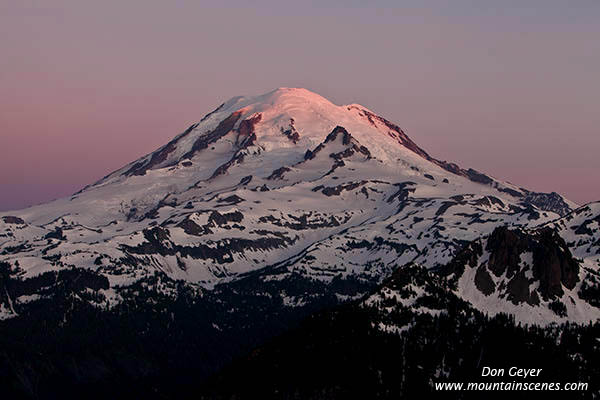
(283, 180)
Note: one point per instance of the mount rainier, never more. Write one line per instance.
(274, 207)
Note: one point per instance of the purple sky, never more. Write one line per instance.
(510, 88)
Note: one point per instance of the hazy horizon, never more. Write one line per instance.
(507, 88)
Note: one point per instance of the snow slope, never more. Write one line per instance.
(282, 180)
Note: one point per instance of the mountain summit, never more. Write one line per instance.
(274, 132)
(288, 185)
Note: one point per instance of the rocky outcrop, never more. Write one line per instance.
(337, 190)
(221, 130)
(291, 133)
(158, 156)
(246, 134)
(278, 173)
(553, 265)
(521, 266)
(9, 219)
(548, 202)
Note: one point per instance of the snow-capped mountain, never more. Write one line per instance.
(287, 185)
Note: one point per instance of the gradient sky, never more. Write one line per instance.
(510, 88)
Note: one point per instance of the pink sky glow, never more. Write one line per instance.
(509, 89)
